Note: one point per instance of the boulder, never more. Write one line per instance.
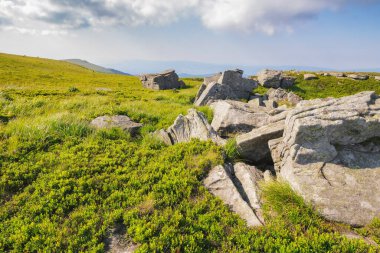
(192, 126)
(237, 117)
(377, 78)
(358, 77)
(284, 97)
(337, 74)
(330, 155)
(227, 85)
(117, 121)
(287, 82)
(163, 81)
(309, 76)
(270, 78)
(253, 146)
(237, 187)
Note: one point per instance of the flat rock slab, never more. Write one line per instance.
(163, 81)
(253, 146)
(330, 154)
(237, 186)
(358, 77)
(118, 121)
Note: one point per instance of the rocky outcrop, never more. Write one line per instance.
(118, 121)
(163, 81)
(309, 76)
(281, 96)
(330, 154)
(358, 77)
(192, 126)
(227, 85)
(253, 146)
(238, 187)
(274, 79)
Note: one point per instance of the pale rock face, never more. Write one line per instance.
(270, 78)
(162, 81)
(227, 85)
(309, 76)
(118, 121)
(377, 78)
(282, 96)
(330, 154)
(358, 77)
(237, 186)
(192, 126)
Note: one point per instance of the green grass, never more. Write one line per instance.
(328, 86)
(65, 185)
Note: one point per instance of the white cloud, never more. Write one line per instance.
(266, 16)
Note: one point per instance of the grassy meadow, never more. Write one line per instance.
(65, 186)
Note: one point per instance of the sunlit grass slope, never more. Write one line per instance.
(64, 185)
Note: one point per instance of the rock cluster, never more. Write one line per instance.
(117, 121)
(163, 81)
(227, 85)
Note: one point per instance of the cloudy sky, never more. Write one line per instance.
(131, 34)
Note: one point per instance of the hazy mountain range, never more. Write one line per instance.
(95, 67)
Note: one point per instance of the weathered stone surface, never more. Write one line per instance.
(162, 81)
(192, 126)
(358, 77)
(377, 78)
(309, 76)
(237, 187)
(163, 136)
(229, 85)
(253, 146)
(271, 104)
(282, 96)
(330, 154)
(118, 121)
(237, 117)
(337, 74)
(270, 78)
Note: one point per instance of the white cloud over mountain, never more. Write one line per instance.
(59, 16)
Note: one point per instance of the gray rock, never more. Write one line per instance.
(256, 102)
(330, 155)
(163, 136)
(271, 104)
(270, 78)
(229, 85)
(282, 96)
(162, 81)
(118, 121)
(358, 77)
(192, 126)
(309, 77)
(253, 146)
(237, 186)
(237, 117)
(377, 78)
(287, 82)
(337, 74)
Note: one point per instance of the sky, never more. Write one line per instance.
(196, 36)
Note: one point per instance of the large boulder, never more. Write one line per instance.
(253, 146)
(281, 96)
(330, 154)
(163, 81)
(377, 78)
(309, 77)
(275, 79)
(192, 126)
(358, 77)
(227, 85)
(117, 121)
(237, 117)
(238, 187)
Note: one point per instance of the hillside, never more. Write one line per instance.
(66, 187)
(94, 67)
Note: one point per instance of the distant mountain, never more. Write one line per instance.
(94, 67)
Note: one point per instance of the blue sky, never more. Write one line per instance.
(196, 36)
